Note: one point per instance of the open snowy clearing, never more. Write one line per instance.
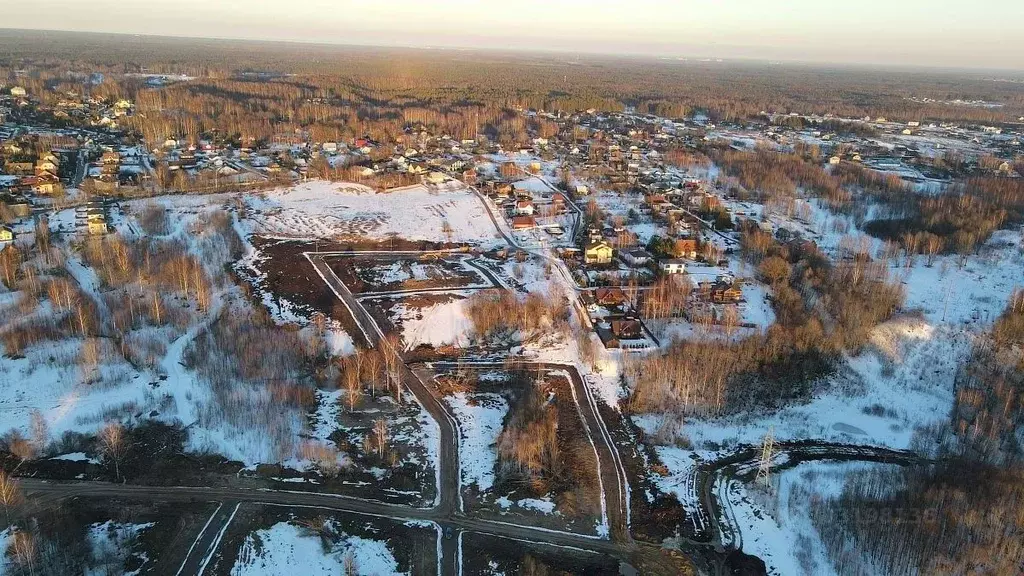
(321, 209)
(436, 325)
(481, 418)
(288, 549)
(776, 525)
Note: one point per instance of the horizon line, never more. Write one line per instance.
(549, 51)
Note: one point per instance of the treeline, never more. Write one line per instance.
(501, 315)
(964, 216)
(822, 309)
(528, 444)
(958, 220)
(542, 449)
(988, 412)
(957, 517)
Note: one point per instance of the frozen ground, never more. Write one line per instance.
(480, 419)
(111, 546)
(321, 209)
(776, 525)
(880, 397)
(435, 324)
(288, 549)
(901, 381)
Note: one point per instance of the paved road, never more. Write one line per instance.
(448, 513)
(370, 334)
(612, 474)
(426, 395)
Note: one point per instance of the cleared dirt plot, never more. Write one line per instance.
(339, 211)
(487, 555)
(266, 540)
(388, 273)
(103, 536)
(368, 444)
(524, 451)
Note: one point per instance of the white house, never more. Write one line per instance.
(18, 92)
(674, 266)
(524, 208)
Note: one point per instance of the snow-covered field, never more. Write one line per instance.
(321, 209)
(288, 549)
(902, 381)
(436, 325)
(480, 419)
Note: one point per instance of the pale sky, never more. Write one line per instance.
(974, 34)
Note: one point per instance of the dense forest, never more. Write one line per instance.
(261, 90)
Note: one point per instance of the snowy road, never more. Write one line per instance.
(211, 533)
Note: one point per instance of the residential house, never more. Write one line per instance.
(6, 235)
(93, 218)
(18, 92)
(623, 333)
(111, 163)
(508, 170)
(719, 292)
(524, 208)
(636, 257)
(685, 248)
(48, 163)
(436, 178)
(609, 297)
(598, 253)
(523, 223)
(96, 227)
(47, 184)
(19, 206)
(18, 168)
(558, 203)
(627, 328)
(673, 266)
(503, 190)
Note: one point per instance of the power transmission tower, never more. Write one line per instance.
(764, 470)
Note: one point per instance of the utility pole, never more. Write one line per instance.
(764, 470)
